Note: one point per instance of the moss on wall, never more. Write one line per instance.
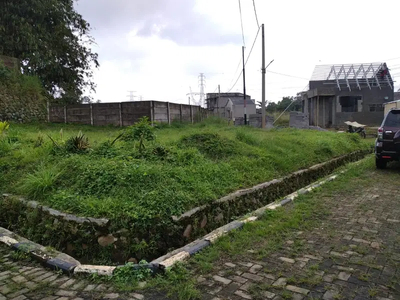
(22, 97)
(90, 241)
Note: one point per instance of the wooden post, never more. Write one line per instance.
(65, 114)
(191, 114)
(91, 115)
(168, 114)
(120, 114)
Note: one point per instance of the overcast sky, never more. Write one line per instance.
(158, 48)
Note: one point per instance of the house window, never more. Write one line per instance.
(350, 103)
(376, 107)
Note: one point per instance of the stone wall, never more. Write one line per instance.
(92, 240)
(21, 97)
(203, 219)
(20, 108)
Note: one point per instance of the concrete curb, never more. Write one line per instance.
(59, 261)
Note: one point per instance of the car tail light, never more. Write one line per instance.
(380, 133)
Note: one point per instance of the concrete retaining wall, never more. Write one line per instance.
(126, 113)
(87, 238)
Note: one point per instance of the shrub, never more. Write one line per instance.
(141, 131)
(210, 144)
(106, 149)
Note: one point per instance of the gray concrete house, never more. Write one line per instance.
(352, 92)
(220, 101)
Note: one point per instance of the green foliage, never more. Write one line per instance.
(3, 128)
(20, 255)
(40, 140)
(128, 274)
(140, 191)
(141, 131)
(5, 73)
(244, 137)
(178, 283)
(106, 150)
(22, 97)
(211, 145)
(57, 49)
(273, 107)
(42, 181)
(77, 144)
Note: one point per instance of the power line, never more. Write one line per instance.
(287, 75)
(237, 68)
(241, 21)
(391, 59)
(246, 60)
(255, 12)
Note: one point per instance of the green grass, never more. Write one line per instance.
(186, 166)
(280, 225)
(272, 230)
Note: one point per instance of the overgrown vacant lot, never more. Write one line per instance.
(184, 167)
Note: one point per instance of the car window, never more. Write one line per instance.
(393, 119)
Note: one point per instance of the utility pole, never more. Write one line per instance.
(202, 85)
(131, 95)
(219, 97)
(244, 87)
(263, 71)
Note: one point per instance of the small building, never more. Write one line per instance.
(219, 102)
(390, 105)
(352, 92)
(397, 95)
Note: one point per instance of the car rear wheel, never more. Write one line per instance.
(380, 163)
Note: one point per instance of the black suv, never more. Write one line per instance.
(387, 145)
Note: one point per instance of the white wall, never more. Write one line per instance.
(238, 110)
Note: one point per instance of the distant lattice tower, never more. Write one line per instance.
(202, 85)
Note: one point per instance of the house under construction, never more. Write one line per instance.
(351, 92)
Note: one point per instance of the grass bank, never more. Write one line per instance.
(183, 167)
(257, 241)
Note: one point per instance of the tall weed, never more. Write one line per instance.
(42, 181)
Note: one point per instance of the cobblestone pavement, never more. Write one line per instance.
(24, 279)
(354, 253)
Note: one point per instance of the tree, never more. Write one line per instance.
(51, 40)
(283, 104)
(271, 107)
